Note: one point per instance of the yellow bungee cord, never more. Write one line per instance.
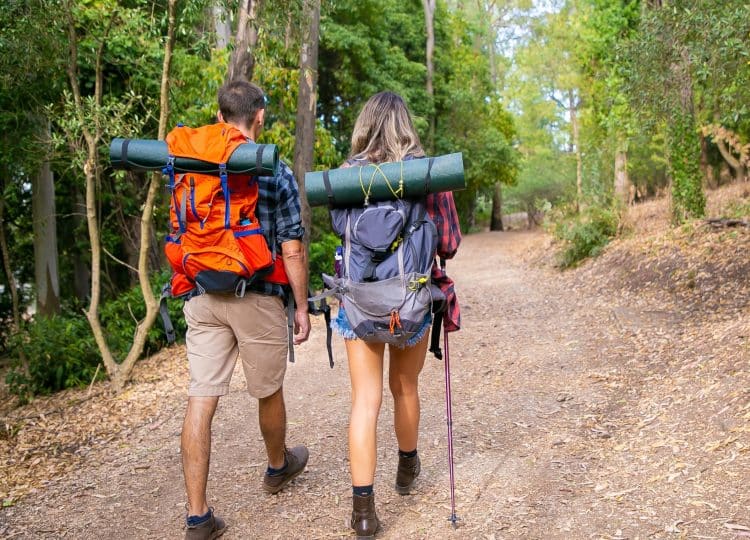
(397, 193)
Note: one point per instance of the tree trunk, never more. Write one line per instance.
(688, 200)
(12, 285)
(473, 212)
(429, 18)
(306, 102)
(734, 163)
(152, 304)
(242, 63)
(92, 135)
(222, 25)
(573, 107)
(496, 222)
(45, 235)
(709, 178)
(81, 267)
(622, 179)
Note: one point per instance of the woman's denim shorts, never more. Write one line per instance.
(341, 326)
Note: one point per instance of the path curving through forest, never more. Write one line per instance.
(551, 435)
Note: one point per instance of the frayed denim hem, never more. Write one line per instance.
(341, 326)
(416, 338)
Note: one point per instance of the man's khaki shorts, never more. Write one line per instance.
(222, 326)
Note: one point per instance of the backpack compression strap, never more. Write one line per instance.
(290, 323)
(428, 176)
(324, 309)
(329, 190)
(259, 160)
(166, 292)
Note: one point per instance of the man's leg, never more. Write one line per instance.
(272, 420)
(196, 451)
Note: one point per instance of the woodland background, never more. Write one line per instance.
(567, 112)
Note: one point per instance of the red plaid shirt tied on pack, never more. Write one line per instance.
(442, 210)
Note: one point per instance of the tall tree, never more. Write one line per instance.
(8, 267)
(306, 104)
(499, 18)
(242, 63)
(222, 26)
(660, 83)
(30, 77)
(47, 278)
(429, 21)
(88, 120)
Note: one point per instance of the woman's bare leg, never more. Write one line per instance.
(366, 373)
(403, 378)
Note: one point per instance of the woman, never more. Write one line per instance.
(384, 132)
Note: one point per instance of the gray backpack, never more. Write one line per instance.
(385, 284)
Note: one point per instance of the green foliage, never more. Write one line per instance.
(544, 177)
(688, 200)
(366, 47)
(120, 316)
(321, 258)
(60, 352)
(585, 235)
(739, 209)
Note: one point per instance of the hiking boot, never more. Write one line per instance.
(364, 520)
(296, 459)
(406, 474)
(212, 528)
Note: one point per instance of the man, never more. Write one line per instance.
(255, 326)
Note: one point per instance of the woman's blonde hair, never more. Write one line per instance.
(384, 131)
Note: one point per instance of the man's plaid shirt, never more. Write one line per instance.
(278, 210)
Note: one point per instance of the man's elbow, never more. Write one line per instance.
(293, 251)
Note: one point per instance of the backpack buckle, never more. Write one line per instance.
(416, 284)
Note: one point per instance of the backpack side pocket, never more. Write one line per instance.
(173, 251)
(254, 248)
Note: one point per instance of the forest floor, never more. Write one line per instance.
(611, 401)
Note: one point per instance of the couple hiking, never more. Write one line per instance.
(251, 322)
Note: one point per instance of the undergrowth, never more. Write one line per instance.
(584, 234)
(51, 354)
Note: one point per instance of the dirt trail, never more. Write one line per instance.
(557, 434)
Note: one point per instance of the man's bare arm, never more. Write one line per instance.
(294, 255)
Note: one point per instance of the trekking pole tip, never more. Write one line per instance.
(454, 521)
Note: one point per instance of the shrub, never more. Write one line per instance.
(584, 235)
(60, 352)
(321, 258)
(120, 315)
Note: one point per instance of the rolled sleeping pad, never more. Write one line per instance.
(152, 155)
(349, 186)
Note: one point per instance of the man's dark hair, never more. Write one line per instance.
(239, 101)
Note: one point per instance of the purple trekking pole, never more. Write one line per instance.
(449, 419)
(435, 349)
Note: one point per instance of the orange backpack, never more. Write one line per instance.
(216, 241)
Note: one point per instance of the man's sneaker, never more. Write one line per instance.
(296, 459)
(212, 528)
(406, 474)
